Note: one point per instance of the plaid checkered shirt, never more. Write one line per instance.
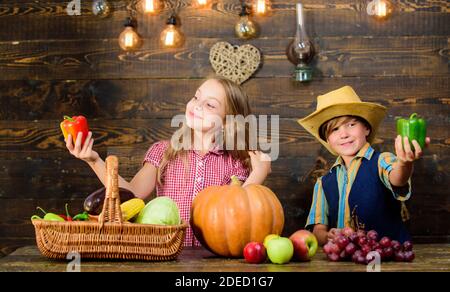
(182, 183)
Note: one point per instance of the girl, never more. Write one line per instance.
(181, 168)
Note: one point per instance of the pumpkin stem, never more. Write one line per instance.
(235, 181)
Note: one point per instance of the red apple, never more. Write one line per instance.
(305, 245)
(255, 252)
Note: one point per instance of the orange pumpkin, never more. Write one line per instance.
(225, 218)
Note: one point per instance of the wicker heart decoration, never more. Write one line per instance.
(236, 63)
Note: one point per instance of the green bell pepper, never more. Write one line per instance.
(414, 128)
(81, 217)
(48, 216)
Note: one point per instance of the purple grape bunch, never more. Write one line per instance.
(355, 246)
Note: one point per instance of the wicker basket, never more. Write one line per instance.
(110, 237)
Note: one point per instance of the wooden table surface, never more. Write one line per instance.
(429, 257)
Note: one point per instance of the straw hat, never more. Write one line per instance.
(342, 102)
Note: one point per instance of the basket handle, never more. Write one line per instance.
(111, 206)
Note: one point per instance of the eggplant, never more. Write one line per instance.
(93, 204)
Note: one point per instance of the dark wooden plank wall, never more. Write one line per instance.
(52, 64)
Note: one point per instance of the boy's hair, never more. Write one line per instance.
(325, 128)
(236, 103)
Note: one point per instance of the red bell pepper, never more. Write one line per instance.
(73, 125)
(66, 217)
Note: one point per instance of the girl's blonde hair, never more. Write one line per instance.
(236, 103)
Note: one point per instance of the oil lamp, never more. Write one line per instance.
(301, 51)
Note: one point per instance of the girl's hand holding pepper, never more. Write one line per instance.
(84, 153)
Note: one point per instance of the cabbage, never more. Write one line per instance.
(161, 210)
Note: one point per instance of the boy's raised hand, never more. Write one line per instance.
(404, 151)
(84, 153)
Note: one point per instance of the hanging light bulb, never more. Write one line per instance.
(379, 8)
(129, 39)
(262, 7)
(101, 8)
(151, 6)
(202, 3)
(171, 36)
(245, 28)
(301, 51)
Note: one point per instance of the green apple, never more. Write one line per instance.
(269, 237)
(280, 250)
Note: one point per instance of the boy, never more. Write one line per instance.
(363, 181)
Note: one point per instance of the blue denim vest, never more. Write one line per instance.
(375, 205)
